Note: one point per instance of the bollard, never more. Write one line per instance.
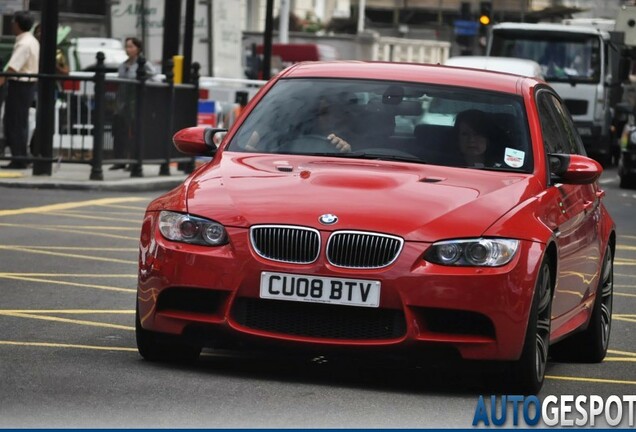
(98, 131)
(177, 69)
(136, 170)
(164, 169)
(188, 167)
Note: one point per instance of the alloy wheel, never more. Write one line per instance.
(543, 323)
(607, 288)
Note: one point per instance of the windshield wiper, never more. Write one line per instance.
(372, 156)
(382, 156)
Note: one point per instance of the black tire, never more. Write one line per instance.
(606, 160)
(590, 345)
(155, 347)
(526, 375)
(626, 182)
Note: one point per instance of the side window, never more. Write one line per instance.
(573, 140)
(551, 137)
(559, 133)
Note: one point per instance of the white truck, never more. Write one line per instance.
(583, 64)
(82, 53)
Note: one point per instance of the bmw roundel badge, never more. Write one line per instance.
(328, 219)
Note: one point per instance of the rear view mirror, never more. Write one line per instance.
(196, 141)
(574, 169)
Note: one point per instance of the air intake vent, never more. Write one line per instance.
(290, 244)
(355, 249)
(318, 320)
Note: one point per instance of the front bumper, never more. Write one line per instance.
(212, 293)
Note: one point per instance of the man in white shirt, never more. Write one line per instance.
(24, 59)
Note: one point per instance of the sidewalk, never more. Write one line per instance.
(76, 176)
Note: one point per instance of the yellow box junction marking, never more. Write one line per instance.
(74, 284)
(60, 345)
(92, 217)
(591, 380)
(33, 250)
(66, 320)
(70, 205)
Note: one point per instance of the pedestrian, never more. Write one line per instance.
(61, 68)
(128, 69)
(123, 119)
(61, 64)
(24, 59)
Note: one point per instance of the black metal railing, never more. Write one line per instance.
(104, 120)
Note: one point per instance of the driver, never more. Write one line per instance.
(332, 121)
(335, 120)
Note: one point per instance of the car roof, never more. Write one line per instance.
(411, 72)
(512, 65)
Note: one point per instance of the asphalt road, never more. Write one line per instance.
(68, 358)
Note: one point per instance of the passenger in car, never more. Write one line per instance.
(476, 135)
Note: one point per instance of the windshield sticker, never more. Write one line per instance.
(514, 158)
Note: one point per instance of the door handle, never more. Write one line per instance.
(600, 193)
(587, 205)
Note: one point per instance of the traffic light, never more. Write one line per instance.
(485, 13)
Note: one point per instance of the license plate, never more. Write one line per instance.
(318, 289)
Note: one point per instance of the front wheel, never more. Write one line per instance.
(590, 345)
(526, 375)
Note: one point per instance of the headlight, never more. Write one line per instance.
(475, 252)
(190, 229)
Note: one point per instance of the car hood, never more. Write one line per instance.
(415, 201)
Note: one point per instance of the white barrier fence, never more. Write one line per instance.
(411, 51)
(73, 130)
(228, 95)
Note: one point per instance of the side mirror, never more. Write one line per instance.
(574, 169)
(196, 141)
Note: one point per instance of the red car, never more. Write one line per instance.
(381, 206)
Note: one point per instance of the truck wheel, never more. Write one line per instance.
(626, 182)
(606, 160)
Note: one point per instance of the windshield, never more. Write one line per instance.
(563, 56)
(365, 119)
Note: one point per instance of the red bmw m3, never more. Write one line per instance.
(381, 206)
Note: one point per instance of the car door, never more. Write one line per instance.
(574, 213)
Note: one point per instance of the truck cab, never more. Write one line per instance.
(582, 64)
